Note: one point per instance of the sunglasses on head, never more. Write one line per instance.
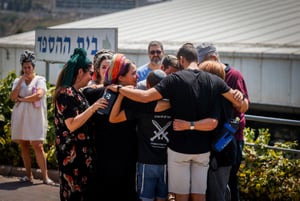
(155, 51)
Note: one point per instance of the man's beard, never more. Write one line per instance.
(156, 60)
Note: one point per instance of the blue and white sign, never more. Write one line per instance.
(57, 45)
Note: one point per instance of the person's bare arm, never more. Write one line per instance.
(243, 107)
(237, 99)
(206, 124)
(34, 97)
(162, 105)
(15, 92)
(77, 121)
(117, 115)
(138, 95)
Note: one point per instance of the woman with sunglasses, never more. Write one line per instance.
(75, 150)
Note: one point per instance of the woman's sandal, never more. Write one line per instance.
(49, 182)
(26, 179)
(171, 197)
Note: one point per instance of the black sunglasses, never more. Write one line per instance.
(155, 51)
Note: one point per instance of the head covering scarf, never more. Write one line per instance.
(99, 57)
(27, 56)
(78, 60)
(116, 68)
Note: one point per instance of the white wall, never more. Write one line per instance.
(270, 81)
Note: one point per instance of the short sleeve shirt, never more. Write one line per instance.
(193, 95)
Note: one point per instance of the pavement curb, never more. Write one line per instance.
(6, 170)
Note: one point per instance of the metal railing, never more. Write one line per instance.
(273, 121)
(274, 148)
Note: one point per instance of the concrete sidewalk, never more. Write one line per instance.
(20, 172)
(11, 189)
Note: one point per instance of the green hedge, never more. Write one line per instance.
(268, 174)
(265, 174)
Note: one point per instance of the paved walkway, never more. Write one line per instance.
(11, 189)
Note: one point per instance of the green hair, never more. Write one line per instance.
(78, 60)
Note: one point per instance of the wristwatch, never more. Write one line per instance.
(244, 96)
(192, 125)
(118, 88)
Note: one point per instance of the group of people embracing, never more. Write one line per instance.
(153, 141)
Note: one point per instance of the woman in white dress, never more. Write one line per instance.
(29, 117)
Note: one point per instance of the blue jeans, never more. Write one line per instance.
(152, 181)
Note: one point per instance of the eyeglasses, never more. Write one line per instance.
(155, 51)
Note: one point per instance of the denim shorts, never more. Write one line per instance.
(152, 181)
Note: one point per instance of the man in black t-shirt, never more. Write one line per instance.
(192, 94)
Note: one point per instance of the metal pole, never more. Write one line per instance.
(47, 71)
(272, 147)
(272, 120)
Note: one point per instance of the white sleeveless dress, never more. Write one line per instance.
(28, 122)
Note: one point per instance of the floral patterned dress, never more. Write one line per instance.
(74, 150)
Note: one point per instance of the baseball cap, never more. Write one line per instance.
(203, 49)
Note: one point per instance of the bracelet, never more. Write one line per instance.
(119, 87)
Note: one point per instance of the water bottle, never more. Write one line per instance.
(36, 104)
(226, 134)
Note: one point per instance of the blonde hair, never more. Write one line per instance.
(213, 67)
